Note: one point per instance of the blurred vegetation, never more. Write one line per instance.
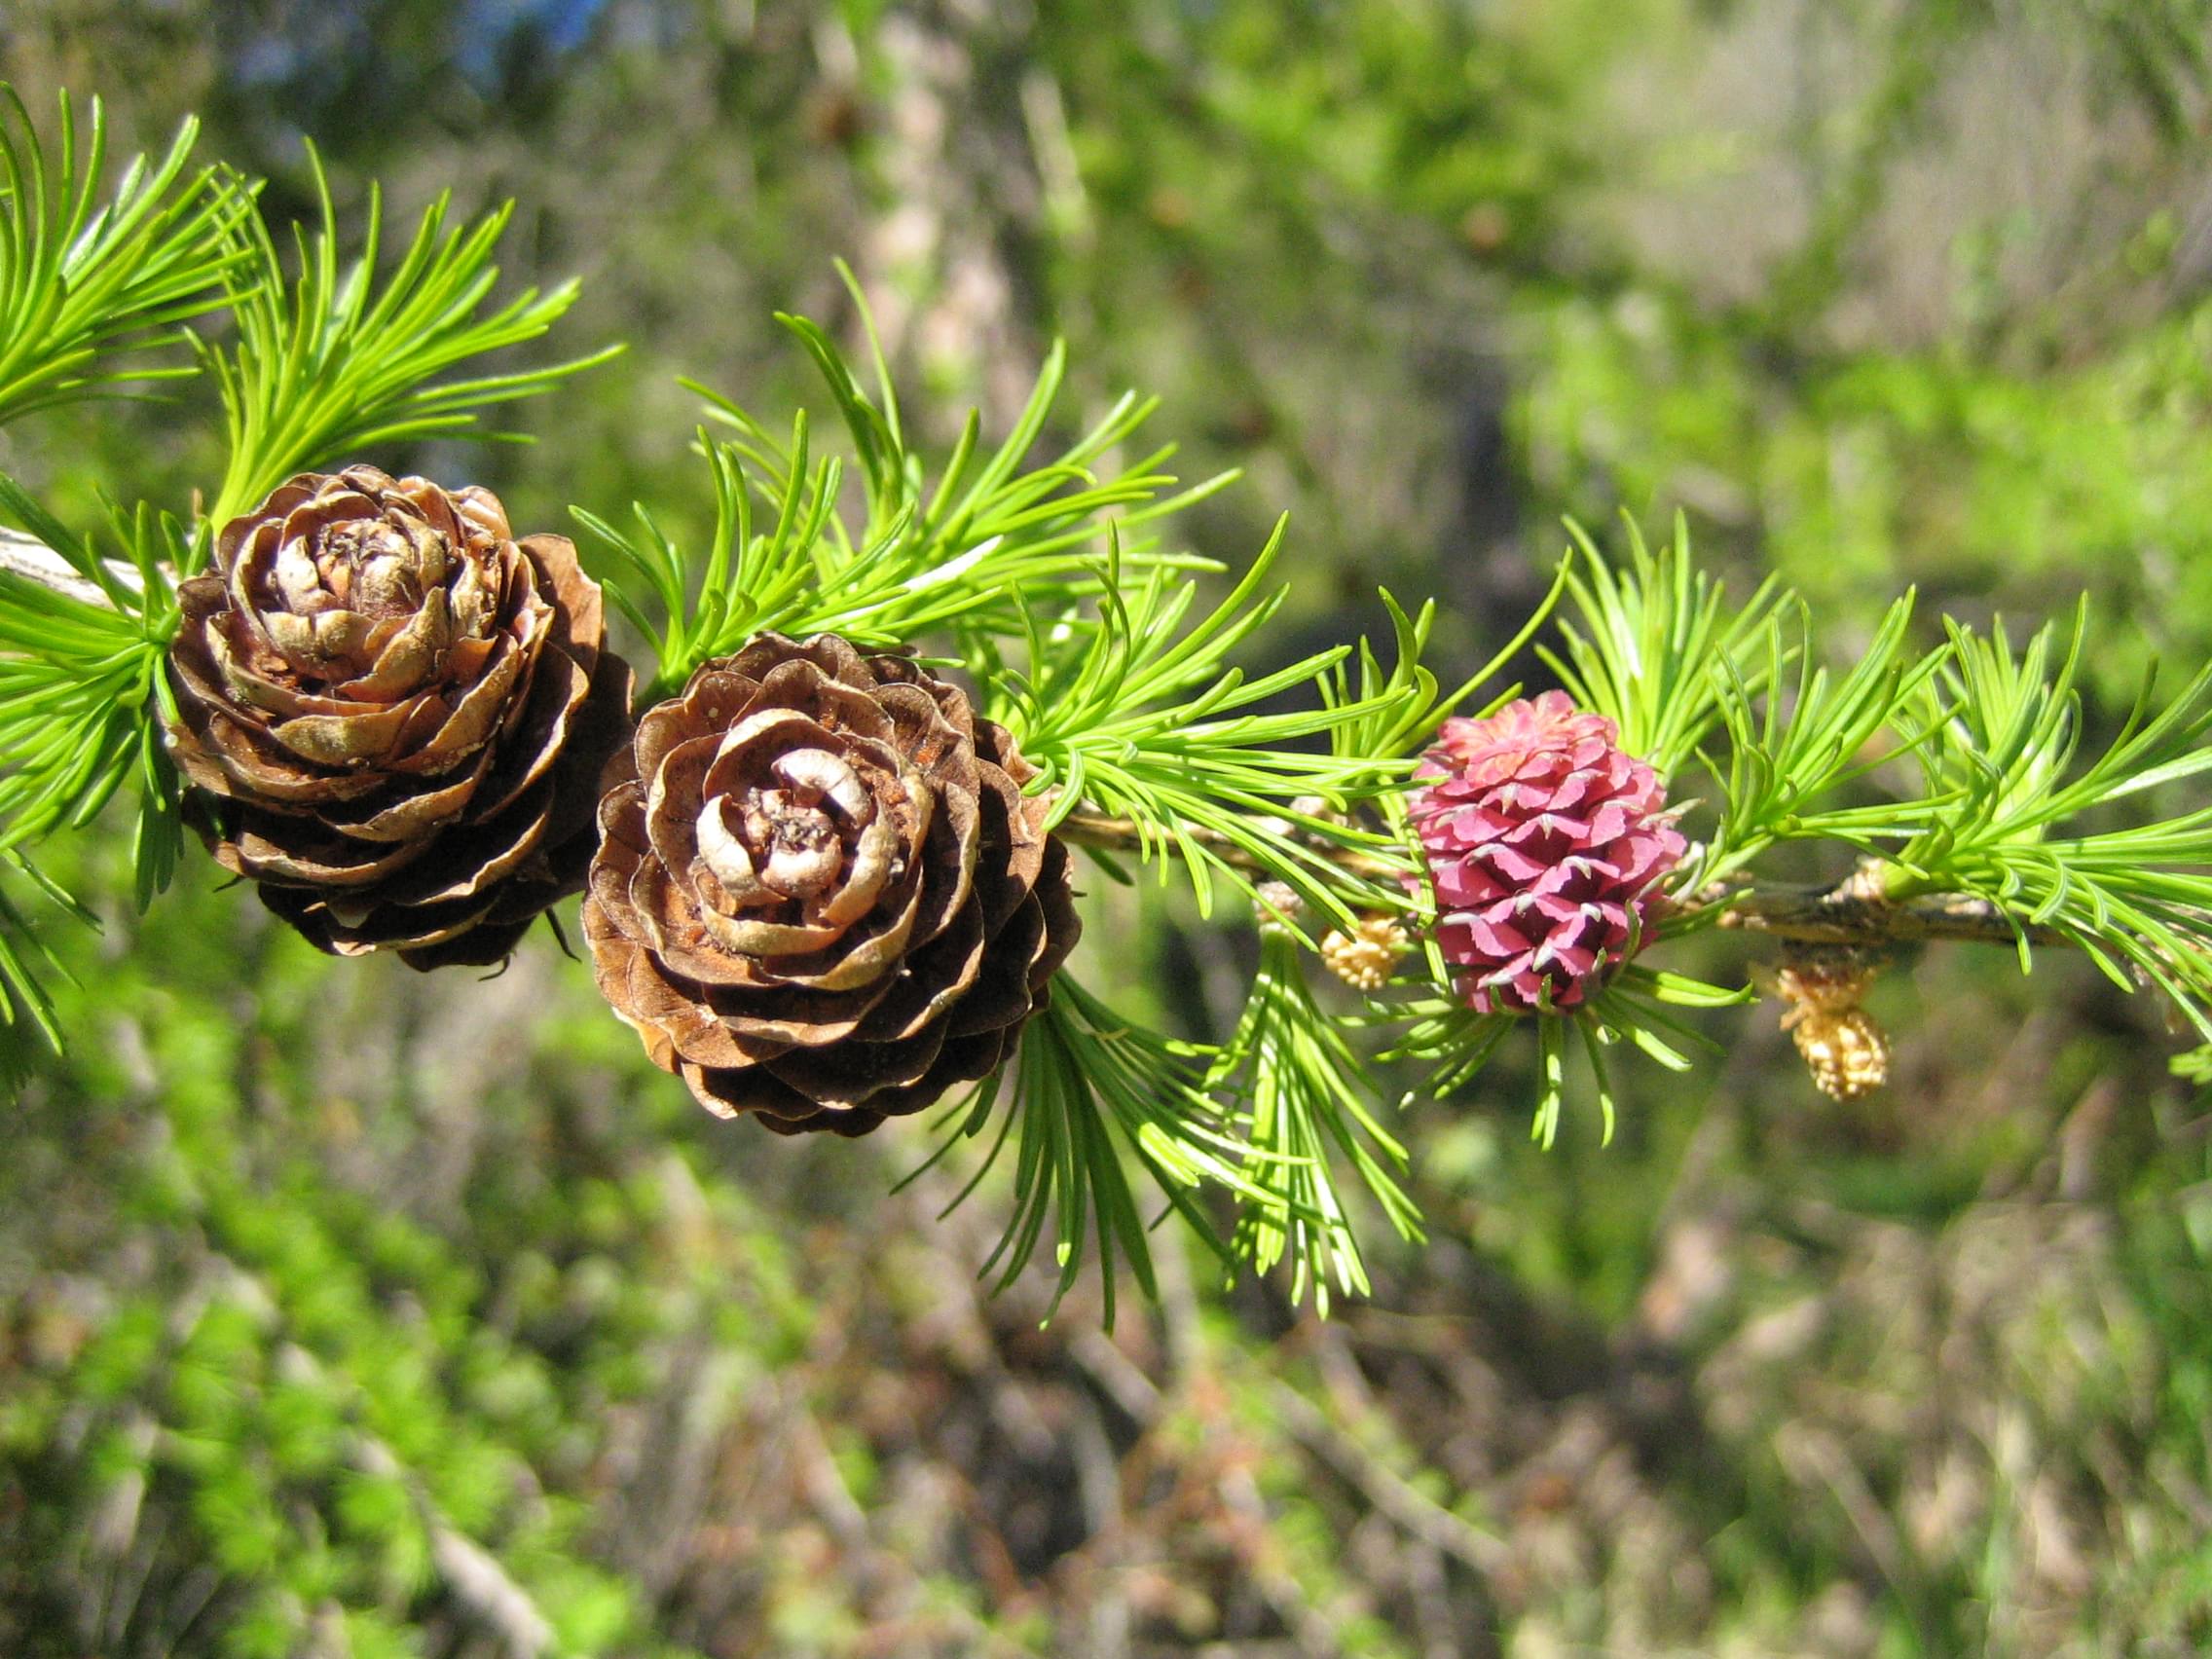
(347, 1312)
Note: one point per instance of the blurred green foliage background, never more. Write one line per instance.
(348, 1312)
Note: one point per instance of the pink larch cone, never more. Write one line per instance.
(1546, 843)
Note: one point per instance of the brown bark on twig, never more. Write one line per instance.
(1123, 835)
(1842, 915)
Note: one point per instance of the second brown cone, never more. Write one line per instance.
(821, 896)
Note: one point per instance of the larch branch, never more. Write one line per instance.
(1849, 913)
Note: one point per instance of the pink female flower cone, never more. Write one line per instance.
(1546, 843)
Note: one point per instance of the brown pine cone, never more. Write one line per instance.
(398, 714)
(820, 894)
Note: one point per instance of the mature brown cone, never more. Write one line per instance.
(820, 894)
(398, 713)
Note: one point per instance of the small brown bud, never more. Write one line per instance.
(1365, 958)
(1486, 228)
(1842, 1044)
(1846, 1051)
(1281, 907)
